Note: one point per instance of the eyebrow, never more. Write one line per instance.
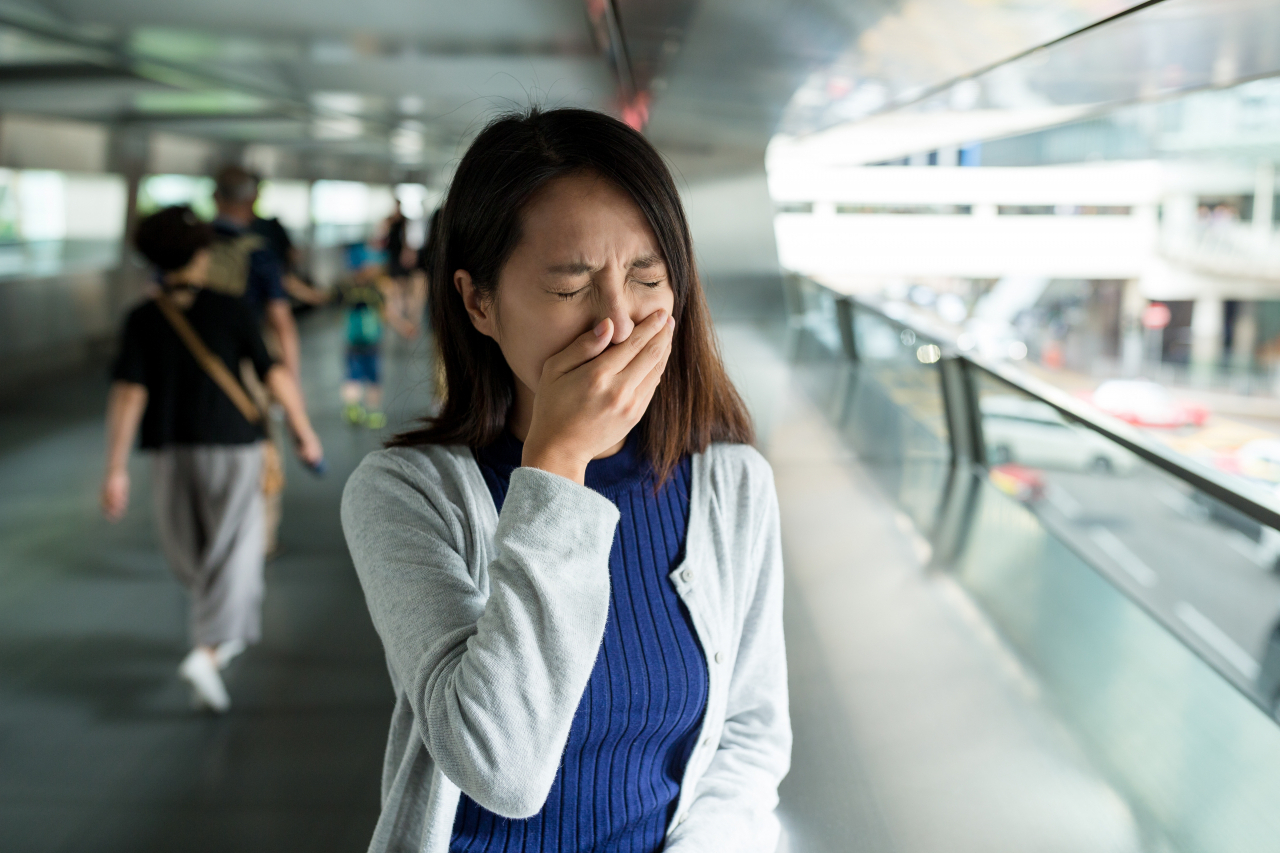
(645, 262)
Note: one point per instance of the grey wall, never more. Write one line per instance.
(51, 325)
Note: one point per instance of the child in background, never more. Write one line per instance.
(366, 303)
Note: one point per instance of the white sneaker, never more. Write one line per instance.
(227, 652)
(201, 672)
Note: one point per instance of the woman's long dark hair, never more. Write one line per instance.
(479, 227)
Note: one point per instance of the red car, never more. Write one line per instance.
(1019, 482)
(1146, 404)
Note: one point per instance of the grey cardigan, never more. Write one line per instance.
(492, 623)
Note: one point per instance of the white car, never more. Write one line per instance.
(1029, 432)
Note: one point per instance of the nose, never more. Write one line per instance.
(621, 309)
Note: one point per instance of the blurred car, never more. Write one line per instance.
(1146, 404)
(1029, 432)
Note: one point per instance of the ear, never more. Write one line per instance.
(482, 316)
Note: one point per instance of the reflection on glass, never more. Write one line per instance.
(1169, 47)
(1206, 570)
(1029, 432)
(896, 415)
(887, 66)
(1196, 761)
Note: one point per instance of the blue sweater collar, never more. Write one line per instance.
(622, 470)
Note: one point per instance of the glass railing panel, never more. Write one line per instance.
(895, 414)
(815, 344)
(1204, 569)
(1195, 760)
(1143, 611)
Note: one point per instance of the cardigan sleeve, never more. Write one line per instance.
(493, 679)
(734, 803)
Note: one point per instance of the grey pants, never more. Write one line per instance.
(208, 502)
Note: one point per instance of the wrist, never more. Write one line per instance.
(554, 462)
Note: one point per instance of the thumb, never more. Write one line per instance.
(585, 347)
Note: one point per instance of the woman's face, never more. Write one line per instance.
(586, 253)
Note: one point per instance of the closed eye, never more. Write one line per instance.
(649, 283)
(568, 294)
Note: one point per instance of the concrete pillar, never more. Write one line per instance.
(1264, 191)
(1206, 336)
(128, 151)
(1244, 337)
(1131, 304)
(1180, 215)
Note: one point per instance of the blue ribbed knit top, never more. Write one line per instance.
(639, 717)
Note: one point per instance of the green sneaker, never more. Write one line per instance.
(355, 414)
(376, 420)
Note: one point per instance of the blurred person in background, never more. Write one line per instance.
(403, 291)
(365, 296)
(174, 380)
(242, 265)
(424, 257)
(276, 239)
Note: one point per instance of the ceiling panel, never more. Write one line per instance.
(398, 81)
(476, 20)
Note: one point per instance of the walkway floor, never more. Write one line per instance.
(99, 748)
(914, 733)
(916, 730)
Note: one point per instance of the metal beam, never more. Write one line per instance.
(62, 72)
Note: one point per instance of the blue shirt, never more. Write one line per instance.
(639, 717)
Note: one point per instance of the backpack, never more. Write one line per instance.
(364, 326)
(229, 263)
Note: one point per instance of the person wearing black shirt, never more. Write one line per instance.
(395, 242)
(405, 296)
(207, 452)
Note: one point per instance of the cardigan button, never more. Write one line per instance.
(686, 576)
(719, 658)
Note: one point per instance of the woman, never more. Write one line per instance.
(206, 472)
(574, 567)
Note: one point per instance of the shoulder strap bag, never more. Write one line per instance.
(210, 363)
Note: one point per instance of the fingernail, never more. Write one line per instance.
(671, 322)
(602, 328)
